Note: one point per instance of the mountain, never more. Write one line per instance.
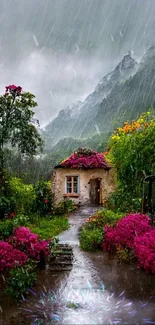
(123, 94)
(62, 125)
(76, 120)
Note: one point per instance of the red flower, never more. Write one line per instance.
(11, 215)
(45, 201)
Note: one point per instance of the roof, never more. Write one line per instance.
(85, 158)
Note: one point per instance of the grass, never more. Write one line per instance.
(49, 228)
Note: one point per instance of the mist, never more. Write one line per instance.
(59, 50)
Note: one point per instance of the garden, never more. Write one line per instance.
(120, 227)
(29, 221)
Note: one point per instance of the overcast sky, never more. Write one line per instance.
(60, 49)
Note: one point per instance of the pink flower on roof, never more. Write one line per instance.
(85, 158)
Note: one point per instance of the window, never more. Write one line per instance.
(72, 184)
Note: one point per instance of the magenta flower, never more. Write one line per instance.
(11, 257)
(29, 242)
(85, 158)
(13, 90)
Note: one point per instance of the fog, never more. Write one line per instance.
(60, 49)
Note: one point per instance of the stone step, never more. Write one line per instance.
(61, 258)
(60, 252)
(62, 263)
(56, 268)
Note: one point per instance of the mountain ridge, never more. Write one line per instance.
(122, 94)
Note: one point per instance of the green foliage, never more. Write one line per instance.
(90, 239)
(65, 206)
(124, 201)
(23, 195)
(7, 203)
(16, 112)
(21, 220)
(43, 202)
(6, 229)
(20, 280)
(16, 131)
(49, 228)
(133, 156)
(91, 234)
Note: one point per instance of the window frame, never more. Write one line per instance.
(72, 182)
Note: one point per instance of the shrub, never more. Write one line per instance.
(11, 257)
(20, 220)
(144, 249)
(65, 206)
(131, 152)
(29, 242)
(122, 200)
(102, 218)
(21, 279)
(69, 206)
(122, 235)
(44, 198)
(23, 195)
(6, 229)
(90, 239)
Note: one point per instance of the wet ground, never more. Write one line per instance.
(98, 290)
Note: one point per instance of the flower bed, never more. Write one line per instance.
(125, 231)
(11, 257)
(144, 249)
(29, 242)
(132, 234)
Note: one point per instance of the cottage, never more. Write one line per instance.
(84, 177)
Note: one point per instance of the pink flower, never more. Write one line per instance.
(29, 242)
(125, 231)
(86, 158)
(45, 201)
(10, 257)
(12, 89)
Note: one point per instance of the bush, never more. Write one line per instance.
(144, 249)
(20, 220)
(23, 195)
(90, 239)
(122, 235)
(21, 279)
(123, 201)
(132, 155)
(44, 198)
(6, 229)
(65, 206)
(11, 257)
(102, 218)
(29, 242)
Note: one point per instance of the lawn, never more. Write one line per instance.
(48, 228)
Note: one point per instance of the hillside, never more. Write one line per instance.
(123, 94)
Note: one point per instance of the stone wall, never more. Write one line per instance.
(58, 183)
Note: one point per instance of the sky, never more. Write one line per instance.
(60, 49)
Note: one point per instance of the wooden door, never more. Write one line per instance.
(95, 191)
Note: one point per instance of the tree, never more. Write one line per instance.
(16, 126)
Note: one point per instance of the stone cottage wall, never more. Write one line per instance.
(58, 183)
